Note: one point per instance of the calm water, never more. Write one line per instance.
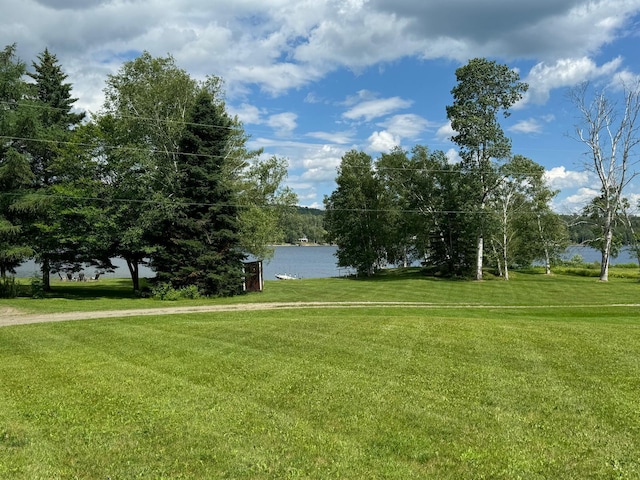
(303, 262)
(590, 255)
(312, 262)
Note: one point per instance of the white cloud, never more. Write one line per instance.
(526, 126)
(340, 138)
(445, 132)
(248, 114)
(453, 156)
(370, 109)
(406, 126)
(560, 177)
(579, 199)
(383, 141)
(566, 72)
(283, 123)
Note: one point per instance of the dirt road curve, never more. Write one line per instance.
(9, 316)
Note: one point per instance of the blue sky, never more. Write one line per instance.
(312, 79)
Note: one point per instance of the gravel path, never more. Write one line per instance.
(9, 316)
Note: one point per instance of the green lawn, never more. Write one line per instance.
(535, 378)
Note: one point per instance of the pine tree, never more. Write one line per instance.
(200, 243)
(51, 122)
(15, 174)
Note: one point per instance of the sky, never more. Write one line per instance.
(313, 79)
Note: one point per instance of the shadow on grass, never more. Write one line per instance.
(118, 288)
(405, 273)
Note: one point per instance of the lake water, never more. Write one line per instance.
(590, 255)
(303, 262)
(312, 262)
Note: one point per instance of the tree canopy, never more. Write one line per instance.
(159, 175)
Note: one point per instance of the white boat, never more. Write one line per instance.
(284, 276)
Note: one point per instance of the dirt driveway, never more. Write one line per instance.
(10, 316)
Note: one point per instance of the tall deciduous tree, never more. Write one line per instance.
(265, 201)
(140, 125)
(484, 90)
(528, 229)
(610, 133)
(356, 217)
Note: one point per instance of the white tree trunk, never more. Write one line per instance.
(505, 255)
(606, 251)
(479, 260)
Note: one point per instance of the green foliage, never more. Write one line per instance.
(9, 288)
(266, 203)
(37, 287)
(15, 172)
(484, 89)
(357, 215)
(200, 244)
(164, 291)
(304, 222)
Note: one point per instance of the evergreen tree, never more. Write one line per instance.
(200, 243)
(15, 174)
(51, 123)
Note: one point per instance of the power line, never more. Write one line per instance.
(119, 116)
(241, 206)
(152, 150)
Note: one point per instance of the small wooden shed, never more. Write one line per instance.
(253, 276)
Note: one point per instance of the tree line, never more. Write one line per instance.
(492, 208)
(160, 174)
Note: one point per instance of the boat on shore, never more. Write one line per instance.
(284, 276)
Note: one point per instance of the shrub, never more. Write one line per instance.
(190, 292)
(37, 286)
(8, 287)
(164, 291)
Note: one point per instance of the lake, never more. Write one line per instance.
(302, 262)
(313, 262)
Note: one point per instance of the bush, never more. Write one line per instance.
(37, 286)
(164, 291)
(8, 287)
(190, 292)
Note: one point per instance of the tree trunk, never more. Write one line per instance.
(606, 250)
(46, 268)
(547, 260)
(505, 239)
(480, 254)
(606, 254)
(135, 274)
(504, 258)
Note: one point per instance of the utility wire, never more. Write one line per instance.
(151, 150)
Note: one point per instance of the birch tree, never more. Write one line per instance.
(609, 130)
(484, 90)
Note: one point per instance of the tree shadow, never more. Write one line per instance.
(118, 288)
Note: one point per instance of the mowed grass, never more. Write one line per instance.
(401, 285)
(535, 378)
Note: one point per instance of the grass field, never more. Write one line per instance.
(535, 378)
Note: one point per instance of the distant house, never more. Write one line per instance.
(303, 240)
